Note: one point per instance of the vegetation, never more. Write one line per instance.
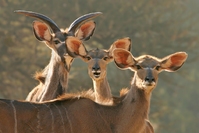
(155, 27)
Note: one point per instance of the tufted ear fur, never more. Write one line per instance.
(173, 62)
(75, 47)
(41, 31)
(124, 43)
(86, 30)
(123, 58)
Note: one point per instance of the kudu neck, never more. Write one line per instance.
(134, 110)
(102, 90)
(56, 78)
(138, 97)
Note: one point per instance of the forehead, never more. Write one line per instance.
(98, 53)
(61, 36)
(147, 61)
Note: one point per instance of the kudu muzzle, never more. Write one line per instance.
(96, 70)
(149, 79)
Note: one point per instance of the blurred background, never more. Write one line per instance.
(156, 27)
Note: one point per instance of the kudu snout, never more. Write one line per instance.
(96, 70)
(149, 78)
(96, 67)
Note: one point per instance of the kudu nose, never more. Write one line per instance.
(149, 79)
(95, 68)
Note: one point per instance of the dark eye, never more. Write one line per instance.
(105, 58)
(138, 67)
(88, 58)
(56, 41)
(157, 67)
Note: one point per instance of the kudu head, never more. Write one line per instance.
(54, 37)
(97, 59)
(147, 67)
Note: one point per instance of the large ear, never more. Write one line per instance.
(75, 47)
(124, 43)
(85, 31)
(123, 58)
(41, 31)
(173, 62)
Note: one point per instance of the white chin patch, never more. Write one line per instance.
(148, 84)
(96, 74)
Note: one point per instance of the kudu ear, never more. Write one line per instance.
(41, 31)
(124, 43)
(173, 62)
(75, 47)
(85, 31)
(123, 58)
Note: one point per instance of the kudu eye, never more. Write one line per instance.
(56, 41)
(105, 58)
(157, 68)
(88, 57)
(138, 67)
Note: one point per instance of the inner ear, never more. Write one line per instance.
(124, 43)
(41, 31)
(174, 61)
(75, 47)
(86, 30)
(123, 58)
(178, 59)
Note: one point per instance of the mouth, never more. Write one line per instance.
(96, 74)
(148, 84)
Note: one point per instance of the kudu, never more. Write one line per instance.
(97, 60)
(54, 78)
(79, 114)
(145, 79)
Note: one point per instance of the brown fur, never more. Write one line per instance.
(90, 94)
(40, 77)
(71, 113)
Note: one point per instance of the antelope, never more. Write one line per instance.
(97, 60)
(80, 114)
(54, 78)
(145, 79)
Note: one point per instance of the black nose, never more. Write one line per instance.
(150, 79)
(96, 68)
